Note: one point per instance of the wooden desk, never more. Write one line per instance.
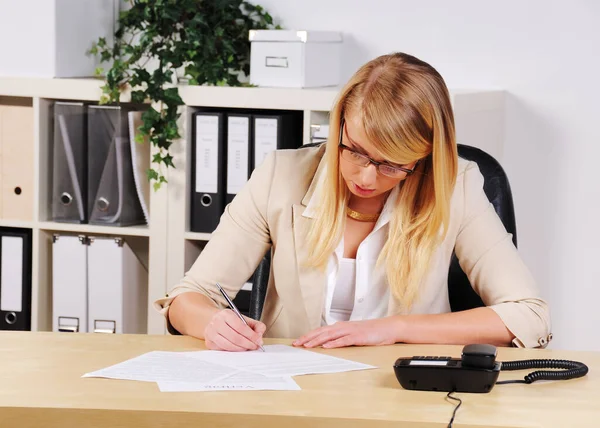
(41, 386)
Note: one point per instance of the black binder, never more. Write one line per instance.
(239, 152)
(209, 169)
(274, 131)
(69, 163)
(15, 279)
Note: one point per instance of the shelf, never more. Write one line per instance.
(63, 89)
(260, 98)
(195, 236)
(201, 96)
(88, 89)
(95, 229)
(24, 224)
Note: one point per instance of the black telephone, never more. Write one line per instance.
(476, 371)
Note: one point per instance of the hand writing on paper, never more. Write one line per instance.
(352, 333)
(226, 332)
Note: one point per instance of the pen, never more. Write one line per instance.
(234, 309)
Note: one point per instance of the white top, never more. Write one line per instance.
(371, 291)
(342, 301)
(302, 36)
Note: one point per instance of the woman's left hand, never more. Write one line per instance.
(352, 333)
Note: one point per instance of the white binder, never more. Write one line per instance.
(117, 288)
(69, 283)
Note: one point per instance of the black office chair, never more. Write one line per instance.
(497, 189)
(461, 293)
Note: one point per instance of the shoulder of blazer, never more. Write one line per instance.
(296, 168)
(464, 165)
(293, 173)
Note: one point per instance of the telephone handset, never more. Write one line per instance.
(476, 371)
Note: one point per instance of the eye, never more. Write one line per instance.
(356, 155)
(389, 170)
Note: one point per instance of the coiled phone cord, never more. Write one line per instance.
(572, 370)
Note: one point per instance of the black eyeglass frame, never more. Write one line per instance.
(377, 164)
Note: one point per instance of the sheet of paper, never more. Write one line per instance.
(239, 381)
(158, 366)
(281, 360)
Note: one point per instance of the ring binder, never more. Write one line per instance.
(15, 279)
(209, 163)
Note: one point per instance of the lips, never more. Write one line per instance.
(362, 190)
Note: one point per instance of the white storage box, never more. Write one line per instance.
(50, 38)
(295, 59)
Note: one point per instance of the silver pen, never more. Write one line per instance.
(234, 309)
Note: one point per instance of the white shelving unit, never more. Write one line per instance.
(167, 243)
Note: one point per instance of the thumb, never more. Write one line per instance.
(257, 326)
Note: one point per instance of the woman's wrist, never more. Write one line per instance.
(398, 328)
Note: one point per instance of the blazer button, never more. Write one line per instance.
(542, 341)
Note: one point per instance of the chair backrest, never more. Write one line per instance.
(497, 189)
(461, 294)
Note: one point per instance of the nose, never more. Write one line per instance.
(368, 176)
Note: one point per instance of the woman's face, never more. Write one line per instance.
(364, 181)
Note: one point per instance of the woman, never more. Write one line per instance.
(362, 230)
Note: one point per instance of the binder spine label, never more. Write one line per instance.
(207, 154)
(11, 292)
(237, 153)
(265, 139)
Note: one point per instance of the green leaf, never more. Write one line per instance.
(139, 138)
(168, 160)
(208, 38)
(157, 158)
(138, 97)
(98, 71)
(152, 174)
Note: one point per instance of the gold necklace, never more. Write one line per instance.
(360, 216)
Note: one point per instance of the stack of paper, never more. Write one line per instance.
(219, 370)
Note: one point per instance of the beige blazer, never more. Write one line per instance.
(268, 212)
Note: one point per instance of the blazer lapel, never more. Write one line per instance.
(312, 281)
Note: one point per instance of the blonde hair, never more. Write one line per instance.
(407, 116)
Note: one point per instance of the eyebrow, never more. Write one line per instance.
(360, 150)
(355, 146)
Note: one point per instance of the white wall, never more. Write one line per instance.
(546, 54)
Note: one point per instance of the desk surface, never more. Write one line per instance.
(41, 385)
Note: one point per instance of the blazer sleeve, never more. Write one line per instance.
(235, 248)
(497, 273)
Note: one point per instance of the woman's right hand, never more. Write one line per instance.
(226, 332)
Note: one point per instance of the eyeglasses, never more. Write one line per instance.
(359, 159)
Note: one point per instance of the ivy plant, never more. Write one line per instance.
(206, 40)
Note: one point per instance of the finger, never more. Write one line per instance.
(258, 327)
(327, 336)
(244, 331)
(310, 336)
(235, 337)
(341, 342)
(226, 345)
